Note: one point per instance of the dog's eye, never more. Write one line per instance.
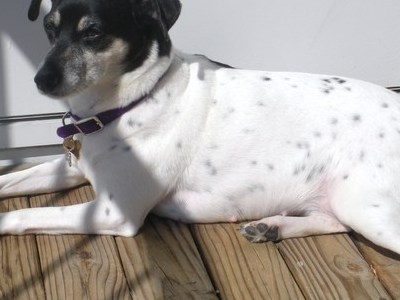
(91, 33)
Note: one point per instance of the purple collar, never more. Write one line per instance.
(96, 123)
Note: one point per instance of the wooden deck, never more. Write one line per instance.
(170, 260)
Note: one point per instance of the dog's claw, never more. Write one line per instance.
(258, 233)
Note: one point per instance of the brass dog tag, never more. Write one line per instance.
(71, 147)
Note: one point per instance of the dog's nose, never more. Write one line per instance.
(47, 80)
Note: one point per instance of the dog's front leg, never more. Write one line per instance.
(93, 217)
(45, 178)
(120, 207)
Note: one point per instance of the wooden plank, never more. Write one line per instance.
(19, 261)
(79, 267)
(162, 262)
(242, 270)
(384, 263)
(330, 267)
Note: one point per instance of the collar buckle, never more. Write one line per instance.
(89, 126)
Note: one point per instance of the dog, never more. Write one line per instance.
(184, 137)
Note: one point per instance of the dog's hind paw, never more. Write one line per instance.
(259, 232)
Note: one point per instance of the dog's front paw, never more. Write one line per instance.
(259, 232)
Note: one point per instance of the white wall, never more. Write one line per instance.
(356, 38)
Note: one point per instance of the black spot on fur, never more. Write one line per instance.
(302, 145)
(362, 156)
(108, 211)
(229, 112)
(385, 105)
(345, 177)
(334, 121)
(317, 134)
(256, 188)
(339, 80)
(299, 169)
(213, 172)
(213, 147)
(248, 130)
(266, 78)
(179, 145)
(381, 135)
(356, 118)
(131, 123)
(211, 169)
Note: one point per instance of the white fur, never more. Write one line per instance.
(308, 154)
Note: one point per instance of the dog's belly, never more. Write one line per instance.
(241, 201)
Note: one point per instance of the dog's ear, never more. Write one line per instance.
(170, 11)
(34, 9)
(165, 12)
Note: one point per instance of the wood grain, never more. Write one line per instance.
(242, 270)
(79, 267)
(20, 277)
(330, 267)
(384, 263)
(162, 262)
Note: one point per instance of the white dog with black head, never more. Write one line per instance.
(156, 130)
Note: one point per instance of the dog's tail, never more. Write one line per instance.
(34, 9)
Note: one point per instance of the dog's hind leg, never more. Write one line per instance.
(281, 227)
(45, 178)
(373, 214)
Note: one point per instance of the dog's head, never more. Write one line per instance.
(99, 40)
